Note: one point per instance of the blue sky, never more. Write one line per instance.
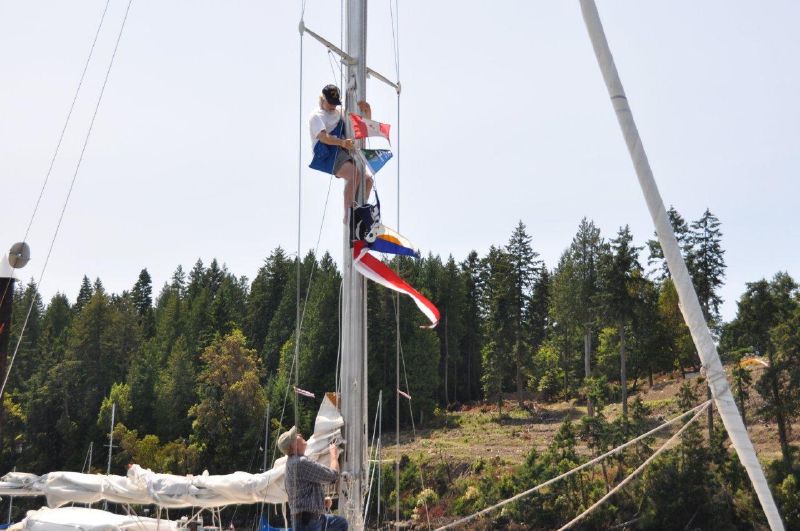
(504, 117)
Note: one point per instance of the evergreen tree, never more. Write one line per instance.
(620, 271)
(266, 293)
(651, 351)
(170, 314)
(282, 324)
(420, 346)
(143, 383)
(29, 353)
(142, 298)
(538, 319)
(450, 300)
(763, 310)
(681, 230)
(471, 341)
(677, 340)
(525, 270)
(575, 294)
(142, 293)
(84, 295)
(102, 340)
(319, 337)
(708, 264)
(499, 300)
(175, 393)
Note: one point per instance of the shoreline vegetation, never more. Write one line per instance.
(500, 398)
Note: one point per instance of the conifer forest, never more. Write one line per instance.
(195, 365)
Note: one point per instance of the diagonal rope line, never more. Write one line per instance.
(66, 121)
(697, 409)
(69, 194)
(61, 136)
(641, 467)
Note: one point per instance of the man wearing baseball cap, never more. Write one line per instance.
(331, 147)
(304, 480)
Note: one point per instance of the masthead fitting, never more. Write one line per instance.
(19, 255)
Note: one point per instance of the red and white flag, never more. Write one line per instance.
(378, 272)
(406, 395)
(303, 392)
(362, 127)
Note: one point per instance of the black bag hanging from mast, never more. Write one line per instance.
(365, 221)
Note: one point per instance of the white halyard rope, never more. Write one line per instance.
(697, 409)
(633, 474)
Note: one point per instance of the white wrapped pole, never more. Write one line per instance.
(690, 306)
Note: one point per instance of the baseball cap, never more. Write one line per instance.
(331, 94)
(286, 439)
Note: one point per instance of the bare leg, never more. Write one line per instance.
(350, 174)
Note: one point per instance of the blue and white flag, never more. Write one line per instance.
(376, 158)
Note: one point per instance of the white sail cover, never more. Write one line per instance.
(84, 519)
(143, 486)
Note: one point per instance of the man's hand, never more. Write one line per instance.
(333, 450)
(348, 143)
(364, 107)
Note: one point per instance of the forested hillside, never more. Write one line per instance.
(194, 365)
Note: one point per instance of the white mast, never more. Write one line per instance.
(354, 323)
(689, 304)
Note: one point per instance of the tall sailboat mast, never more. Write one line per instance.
(353, 483)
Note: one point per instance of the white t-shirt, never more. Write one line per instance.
(322, 120)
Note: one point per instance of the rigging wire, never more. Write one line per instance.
(299, 216)
(305, 305)
(374, 453)
(413, 429)
(69, 194)
(395, 18)
(697, 410)
(61, 136)
(636, 472)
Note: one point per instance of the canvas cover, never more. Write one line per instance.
(143, 486)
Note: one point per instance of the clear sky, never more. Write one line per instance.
(504, 117)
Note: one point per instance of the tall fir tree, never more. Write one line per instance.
(708, 264)
(620, 271)
(525, 270)
(681, 230)
(471, 342)
(266, 293)
(498, 300)
(575, 294)
(142, 297)
(84, 294)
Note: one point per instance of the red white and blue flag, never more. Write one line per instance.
(380, 273)
(390, 241)
(363, 127)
